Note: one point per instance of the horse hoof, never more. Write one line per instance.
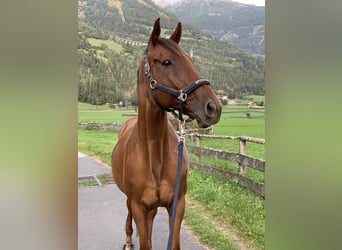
(128, 247)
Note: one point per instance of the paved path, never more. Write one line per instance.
(102, 215)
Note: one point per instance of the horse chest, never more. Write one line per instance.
(151, 172)
(154, 195)
(155, 187)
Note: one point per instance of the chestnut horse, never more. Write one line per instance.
(144, 160)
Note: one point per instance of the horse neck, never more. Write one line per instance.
(152, 121)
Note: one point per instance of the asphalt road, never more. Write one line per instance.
(102, 215)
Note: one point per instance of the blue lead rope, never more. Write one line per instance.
(175, 197)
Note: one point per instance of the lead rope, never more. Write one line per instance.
(176, 193)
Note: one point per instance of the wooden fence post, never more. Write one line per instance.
(242, 151)
(198, 144)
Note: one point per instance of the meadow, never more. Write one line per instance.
(232, 122)
(110, 44)
(223, 207)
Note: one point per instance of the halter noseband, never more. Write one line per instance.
(181, 94)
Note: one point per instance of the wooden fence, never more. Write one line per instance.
(241, 158)
(100, 126)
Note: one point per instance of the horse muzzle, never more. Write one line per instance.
(209, 114)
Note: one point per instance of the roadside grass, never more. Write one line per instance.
(206, 231)
(105, 179)
(230, 203)
(98, 144)
(87, 183)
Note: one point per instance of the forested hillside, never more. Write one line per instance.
(112, 38)
(239, 24)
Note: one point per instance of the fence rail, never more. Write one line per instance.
(100, 126)
(241, 158)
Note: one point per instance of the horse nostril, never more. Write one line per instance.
(210, 109)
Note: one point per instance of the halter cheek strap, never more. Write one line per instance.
(181, 94)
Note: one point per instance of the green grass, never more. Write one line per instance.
(226, 200)
(87, 183)
(233, 108)
(257, 98)
(87, 106)
(232, 167)
(111, 44)
(97, 143)
(207, 232)
(232, 120)
(105, 179)
(236, 124)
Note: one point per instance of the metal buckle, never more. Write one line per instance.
(147, 68)
(182, 96)
(153, 84)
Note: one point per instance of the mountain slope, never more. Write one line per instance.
(240, 24)
(112, 38)
(130, 18)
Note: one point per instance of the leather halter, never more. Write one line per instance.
(181, 94)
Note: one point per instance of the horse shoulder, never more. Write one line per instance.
(127, 127)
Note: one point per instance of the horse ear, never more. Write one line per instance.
(176, 35)
(155, 33)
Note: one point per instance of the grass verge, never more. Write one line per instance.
(105, 179)
(206, 231)
(231, 204)
(87, 183)
(98, 144)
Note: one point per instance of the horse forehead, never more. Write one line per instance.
(168, 49)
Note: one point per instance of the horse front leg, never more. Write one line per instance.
(150, 219)
(129, 229)
(178, 221)
(140, 215)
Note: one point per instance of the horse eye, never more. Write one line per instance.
(167, 62)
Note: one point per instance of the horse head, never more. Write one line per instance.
(175, 82)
